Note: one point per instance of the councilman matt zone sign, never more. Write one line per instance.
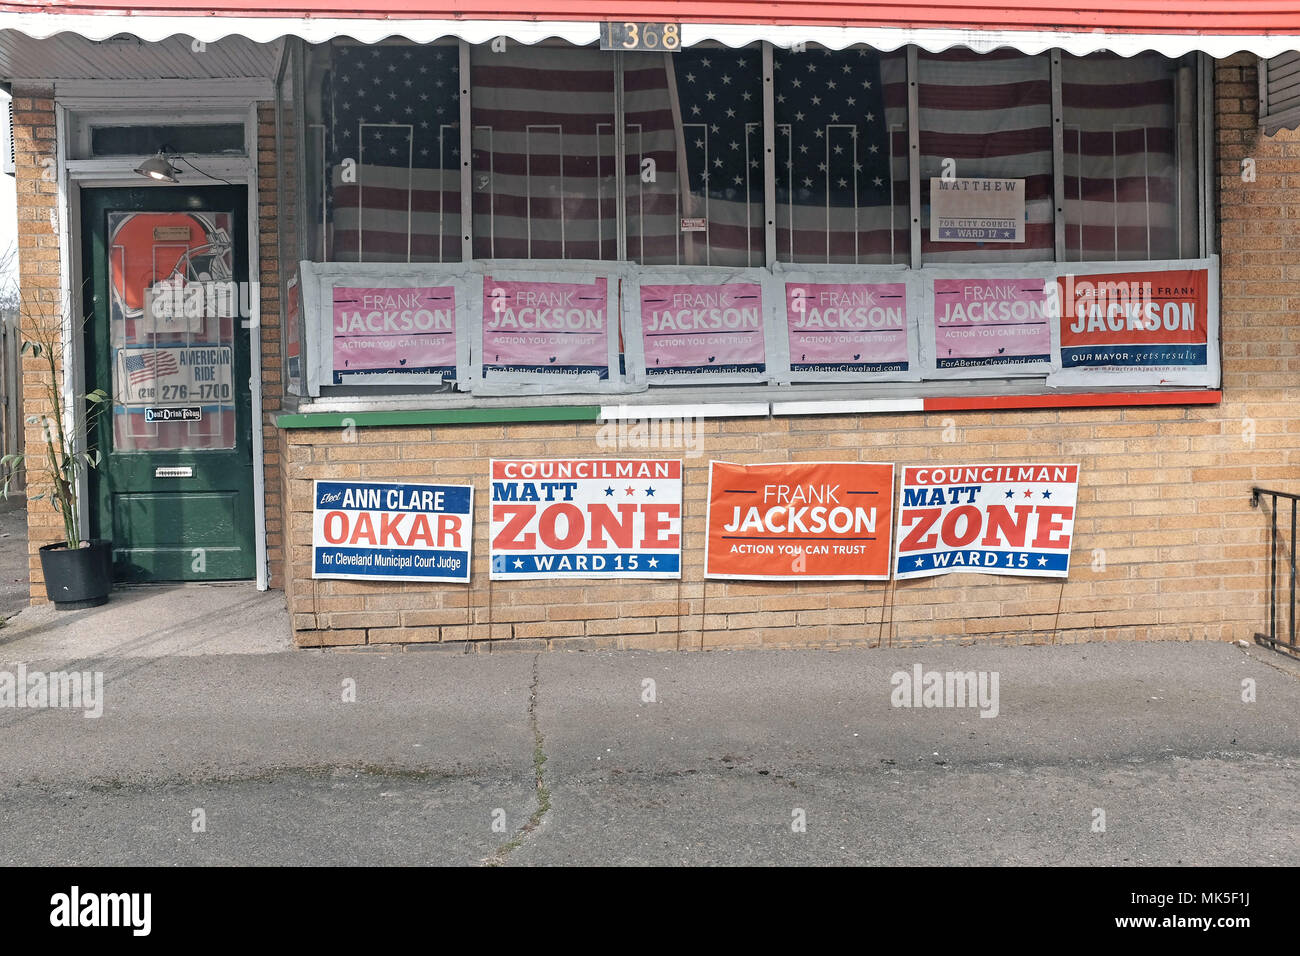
(994, 519)
(586, 518)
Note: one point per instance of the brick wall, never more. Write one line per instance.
(268, 211)
(1166, 543)
(42, 306)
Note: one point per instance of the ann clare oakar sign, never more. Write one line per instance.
(380, 531)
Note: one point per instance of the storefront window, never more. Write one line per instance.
(544, 158)
(988, 117)
(698, 116)
(661, 160)
(841, 167)
(1129, 154)
(382, 134)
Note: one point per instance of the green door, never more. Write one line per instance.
(167, 309)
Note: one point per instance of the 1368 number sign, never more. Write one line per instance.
(665, 37)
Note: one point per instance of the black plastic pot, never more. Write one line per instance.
(78, 577)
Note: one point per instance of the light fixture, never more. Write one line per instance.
(158, 167)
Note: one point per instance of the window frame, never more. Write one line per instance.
(341, 398)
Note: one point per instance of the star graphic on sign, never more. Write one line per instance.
(631, 491)
(706, 62)
(816, 101)
(803, 147)
(699, 144)
(870, 117)
(795, 83)
(718, 163)
(830, 84)
(650, 492)
(726, 80)
(519, 563)
(920, 563)
(850, 101)
(846, 68)
(835, 117)
(690, 77)
(1047, 494)
(746, 95)
(798, 117)
(838, 150)
(713, 128)
(1042, 561)
(710, 95)
(818, 133)
(609, 492)
(821, 167)
(695, 110)
(731, 114)
(1011, 494)
(1029, 494)
(812, 67)
(653, 562)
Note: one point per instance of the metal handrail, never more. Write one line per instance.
(1271, 638)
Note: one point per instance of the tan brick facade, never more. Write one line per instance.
(36, 158)
(1166, 543)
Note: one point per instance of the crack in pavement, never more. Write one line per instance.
(503, 852)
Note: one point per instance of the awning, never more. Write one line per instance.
(1172, 27)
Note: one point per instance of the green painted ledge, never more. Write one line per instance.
(447, 416)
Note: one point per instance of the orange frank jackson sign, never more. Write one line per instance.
(794, 521)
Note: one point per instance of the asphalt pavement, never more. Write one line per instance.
(1111, 754)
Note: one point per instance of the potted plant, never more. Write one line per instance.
(78, 573)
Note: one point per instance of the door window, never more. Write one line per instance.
(174, 310)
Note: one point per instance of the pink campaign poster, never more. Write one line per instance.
(394, 331)
(559, 328)
(995, 323)
(703, 330)
(847, 327)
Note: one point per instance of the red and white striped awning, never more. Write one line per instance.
(1172, 27)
